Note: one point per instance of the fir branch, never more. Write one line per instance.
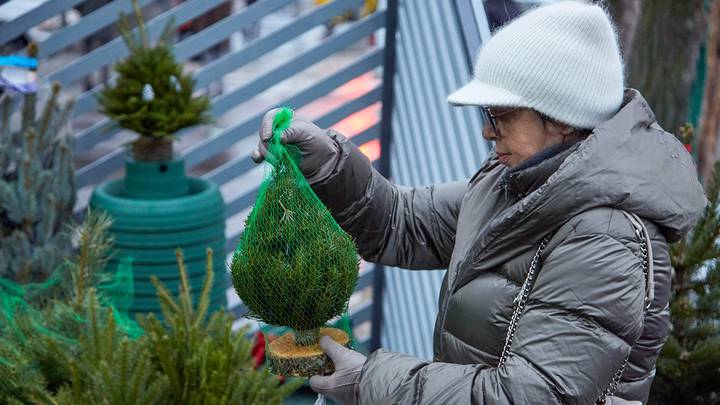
(95, 244)
(205, 361)
(48, 112)
(169, 110)
(140, 23)
(126, 32)
(166, 38)
(204, 301)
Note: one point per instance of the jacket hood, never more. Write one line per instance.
(628, 162)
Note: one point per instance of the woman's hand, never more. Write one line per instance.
(320, 153)
(340, 386)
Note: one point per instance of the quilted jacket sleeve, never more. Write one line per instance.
(411, 227)
(583, 317)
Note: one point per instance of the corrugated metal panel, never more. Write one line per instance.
(432, 143)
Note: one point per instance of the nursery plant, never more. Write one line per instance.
(152, 96)
(37, 187)
(294, 266)
(68, 341)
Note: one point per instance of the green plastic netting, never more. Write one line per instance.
(294, 265)
(41, 325)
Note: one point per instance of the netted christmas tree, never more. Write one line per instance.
(151, 95)
(37, 190)
(688, 370)
(294, 266)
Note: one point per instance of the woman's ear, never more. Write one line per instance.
(560, 128)
(567, 130)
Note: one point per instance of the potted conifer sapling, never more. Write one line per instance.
(156, 207)
(152, 96)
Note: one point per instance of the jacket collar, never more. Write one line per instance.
(531, 174)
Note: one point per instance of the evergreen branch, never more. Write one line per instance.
(165, 297)
(28, 111)
(140, 23)
(204, 301)
(127, 33)
(48, 113)
(166, 38)
(5, 110)
(185, 298)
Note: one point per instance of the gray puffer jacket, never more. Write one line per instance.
(585, 312)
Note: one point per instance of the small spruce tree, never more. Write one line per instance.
(151, 95)
(56, 349)
(294, 265)
(205, 360)
(37, 188)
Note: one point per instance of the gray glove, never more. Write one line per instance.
(320, 153)
(340, 386)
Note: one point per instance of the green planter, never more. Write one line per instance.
(156, 209)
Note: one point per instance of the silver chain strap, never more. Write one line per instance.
(521, 301)
(641, 234)
(610, 389)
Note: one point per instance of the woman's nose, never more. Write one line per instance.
(487, 132)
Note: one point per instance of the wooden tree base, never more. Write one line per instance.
(287, 358)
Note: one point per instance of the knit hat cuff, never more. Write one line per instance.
(483, 94)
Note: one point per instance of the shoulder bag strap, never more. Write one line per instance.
(521, 300)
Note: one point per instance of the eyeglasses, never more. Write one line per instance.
(489, 117)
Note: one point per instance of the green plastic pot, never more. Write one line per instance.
(148, 290)
(156, 209)
(165, 273)
(149, 304)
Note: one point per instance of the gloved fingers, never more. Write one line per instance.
(257, 156)
(265, 133)
(266, 128)
(260, 153)
(321, 384)
(334, 350)
(299, 131)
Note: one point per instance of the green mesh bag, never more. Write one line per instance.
(43, 324)
(294, 266)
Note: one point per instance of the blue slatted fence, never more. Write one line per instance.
(240, 131)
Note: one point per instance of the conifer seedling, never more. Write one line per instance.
(152, 96)
(294, 266)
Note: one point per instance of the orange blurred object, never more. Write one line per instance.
(371, 149)
(359, 121)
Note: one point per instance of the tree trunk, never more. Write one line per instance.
(286, 356)
(626, 14)
(661, 41)
(710, 118)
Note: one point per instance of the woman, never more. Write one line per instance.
(576, 205)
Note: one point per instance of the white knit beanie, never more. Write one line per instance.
(561, 59)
